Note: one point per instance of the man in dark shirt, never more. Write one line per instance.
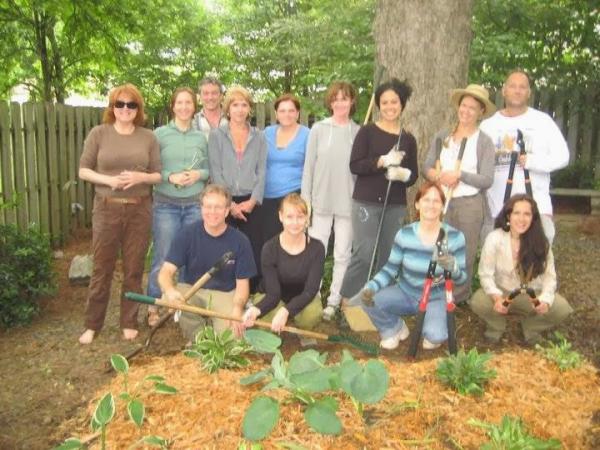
(196, 250)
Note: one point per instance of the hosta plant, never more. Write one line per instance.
(309, 380)
(218, 351)
(512, 434)
(466, 372)
(560, 352)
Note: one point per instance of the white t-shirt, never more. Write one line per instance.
(546, 152)
(448, 158)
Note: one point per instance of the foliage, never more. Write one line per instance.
(466, 372)
(218, 351)
(106, 407)
(327, 276)
(26, 273)
(578, 175)
(307, 378)
(554, 41)
(512, 434)
(561, 353)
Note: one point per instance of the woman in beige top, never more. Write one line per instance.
(517, 255)
(122, 159)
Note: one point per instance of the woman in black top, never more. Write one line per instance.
(292, 268)
(381, 151)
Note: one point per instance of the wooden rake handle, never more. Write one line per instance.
(208, 313)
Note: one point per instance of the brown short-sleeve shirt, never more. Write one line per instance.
(109, 153)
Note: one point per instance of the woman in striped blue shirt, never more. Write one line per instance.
(396, 289)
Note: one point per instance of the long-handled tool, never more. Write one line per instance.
(450, 305)
(367, 347)
(523, 289)
(461, 152)
(511, 173)
(186, 296)
(418, 331)
(521, 144)
(383, 210)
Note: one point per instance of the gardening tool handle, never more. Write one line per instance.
(207, 312)
(461, 153)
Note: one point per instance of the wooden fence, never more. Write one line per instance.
(40, 146)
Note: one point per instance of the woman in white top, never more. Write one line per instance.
(465, 181)
(516, 255)
(327, 183)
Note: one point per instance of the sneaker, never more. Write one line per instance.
(329, 312)
(392, 342)
(430, 345)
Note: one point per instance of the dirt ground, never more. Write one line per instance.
(47, 376)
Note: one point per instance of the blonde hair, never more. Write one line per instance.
(216, 189)
(295, 201)
(237, 93)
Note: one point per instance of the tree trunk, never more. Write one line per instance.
(40, 29)
(427, 43)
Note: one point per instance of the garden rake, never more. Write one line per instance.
(360, 344)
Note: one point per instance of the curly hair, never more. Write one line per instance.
(401, 88)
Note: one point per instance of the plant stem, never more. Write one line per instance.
(103, 437)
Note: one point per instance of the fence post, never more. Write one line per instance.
(7, 215)
(42, 165)
(19, 161)
(53, 173)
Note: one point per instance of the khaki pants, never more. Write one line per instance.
(306, 319)
(218, 301)
(531, 323)
(124, 227)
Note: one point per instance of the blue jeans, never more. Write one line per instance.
(391, 303)
(167, 221)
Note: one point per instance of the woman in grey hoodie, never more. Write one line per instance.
(327, 183)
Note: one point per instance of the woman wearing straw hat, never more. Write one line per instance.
(465, 179)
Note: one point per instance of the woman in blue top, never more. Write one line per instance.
(184, 157)
(286, 146)
(396, 289)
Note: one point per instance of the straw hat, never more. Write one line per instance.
(476, 91)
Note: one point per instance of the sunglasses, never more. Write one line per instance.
(131, 105)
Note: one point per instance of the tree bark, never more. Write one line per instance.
(427, 43)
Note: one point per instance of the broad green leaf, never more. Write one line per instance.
(192, 354)
(260, 418)
(119, 363)
(163, 388)
(279, 368)
(70, 444)
(305, 361)
(124, 396)
(348, 371)
(313, 381)
(154, 378)
(156, 441)
(262, 341)
(321, 416)
(346, 356)
(371, 384)
(136, 411)
(255, 377)
(290, 446)
(105, 410)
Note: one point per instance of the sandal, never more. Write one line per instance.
(153, 318)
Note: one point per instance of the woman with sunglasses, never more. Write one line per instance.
(184, 157)
(237, 156)
(121, 158)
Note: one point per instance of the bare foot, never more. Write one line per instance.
(129, 334)
(87, 337)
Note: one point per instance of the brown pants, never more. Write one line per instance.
(124, 227)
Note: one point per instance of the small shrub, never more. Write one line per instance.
(218, 351)
(512, 434)
(466, 372)
(25, 273)
(561, 353)
(577, 175)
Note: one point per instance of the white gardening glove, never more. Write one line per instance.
(398, 174)
(392, 158)
(250, 316)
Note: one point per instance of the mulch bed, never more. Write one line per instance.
(417, 411)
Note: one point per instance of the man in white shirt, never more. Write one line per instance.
(544, 143)
(210, 93)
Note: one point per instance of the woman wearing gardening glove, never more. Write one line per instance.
(465, 178)
(514, 255)
(184, 157)
(292, 269)
(379, 147)
(396, 289)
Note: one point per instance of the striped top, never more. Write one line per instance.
(409, 260)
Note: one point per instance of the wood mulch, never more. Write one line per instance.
(418, 410)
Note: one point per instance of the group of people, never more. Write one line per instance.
(273, 197)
